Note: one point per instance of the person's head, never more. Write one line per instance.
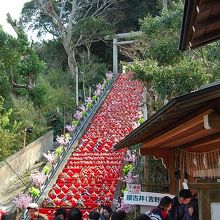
(106, 210)
(75, 214)
(33, 210)
(57, 218)
(143, 217)
(166, 203)
(119, 215)
(61, 212)
(8, 217)
(94, 215)
(185, 196)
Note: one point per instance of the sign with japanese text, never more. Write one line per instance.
(144, 198)
(134, 188)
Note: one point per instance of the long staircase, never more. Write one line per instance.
(92, 172)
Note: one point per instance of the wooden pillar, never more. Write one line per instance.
(171, 173)
(146, 181)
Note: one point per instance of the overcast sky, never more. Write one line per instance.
(14, 7)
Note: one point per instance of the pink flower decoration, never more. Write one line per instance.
(38, 178)
(22, 201)
(99, 86)
(109, 75)
(97, 92)
(70, 128)
(49, 156)
(78, 115)
(88, 100)
(83, 108)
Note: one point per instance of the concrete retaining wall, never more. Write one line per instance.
(24, 159)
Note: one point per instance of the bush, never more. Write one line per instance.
(29, 116)
(10, 132)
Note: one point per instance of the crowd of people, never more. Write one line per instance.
(184, 206)
(181, 207)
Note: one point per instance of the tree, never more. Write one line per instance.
(161, 67)
(90, 30)
(61, 18)
(19, 61)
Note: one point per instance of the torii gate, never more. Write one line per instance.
(116, 43)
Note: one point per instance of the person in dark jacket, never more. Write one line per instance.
(94, 215)
(193, 207)
(61, 212)
(162, 210)
(179, 210)
(106, 212)
(143, 217)
(75, 214)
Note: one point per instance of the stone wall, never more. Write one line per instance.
(24, 159)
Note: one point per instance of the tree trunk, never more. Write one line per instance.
(73, 67)
(83, 84)
(77, 86)
(90, 91)
(88, 51)
(72, 62)
(165, 4)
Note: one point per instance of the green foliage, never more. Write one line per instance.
(143, 70)
(53, 91)
(92, 71)
(34, 191)
(57, 60)
(141, 120)
(162, 35)
(126, 16)
(89, 105)
(75, 122)
(30, 63)
(127, 168)
(29, 116)
(167, 70)
(8, 51)
(47, 170)
(10, 132)
(59, 150)
(87, 35)
(182, 78)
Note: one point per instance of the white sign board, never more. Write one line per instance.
(144, 198)
(134, 188)
(215, 207)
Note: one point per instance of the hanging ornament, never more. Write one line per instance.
(195, 162)
(205, 161)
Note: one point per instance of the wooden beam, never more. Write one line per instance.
(209, 5)
(159, 154)
(186, 137)
(176, 131)
(204, 141)
(209, 37)
(212, 121)
(205, 186)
